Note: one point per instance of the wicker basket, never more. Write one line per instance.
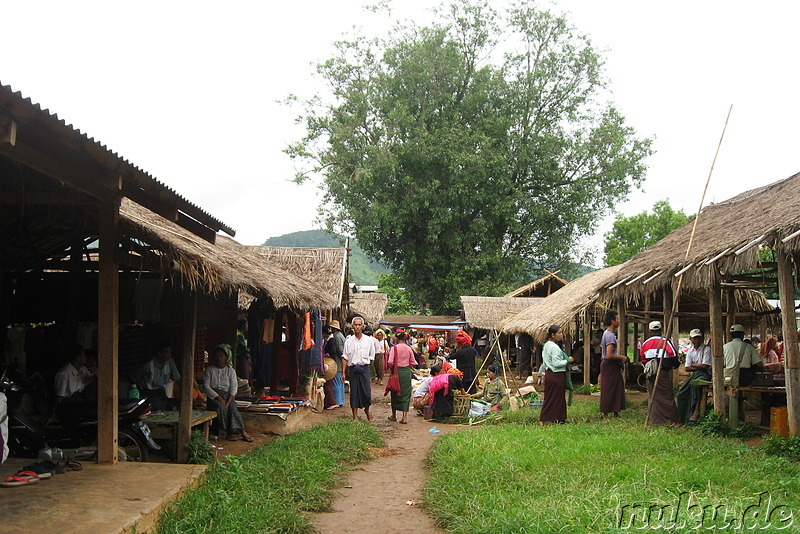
(461, 405)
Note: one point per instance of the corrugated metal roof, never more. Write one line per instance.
(22, 108)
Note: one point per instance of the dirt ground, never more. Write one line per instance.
(385, 494)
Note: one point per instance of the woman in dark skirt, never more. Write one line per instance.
(442, 387)
(554, 407)
(612, 385)
(465, 355)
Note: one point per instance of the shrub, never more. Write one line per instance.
(199, 449)
(787, 447)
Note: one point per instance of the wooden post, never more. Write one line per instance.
(187, 375)
(622, 337)
(731, 312)
(108, 334)
(635, 344)
(791, 351)
(646, 324)
(718, 363)
(587, 347)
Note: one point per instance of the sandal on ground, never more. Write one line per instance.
(232, 438)
(332, 407)
(40, 468)
(32, 475)
(392, 418)
(69, 465)
(14, 481)
(403, 422)
(247, 438)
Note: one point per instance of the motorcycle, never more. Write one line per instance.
(27, 437)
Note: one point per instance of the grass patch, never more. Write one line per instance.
(268, 489)
(519, 477)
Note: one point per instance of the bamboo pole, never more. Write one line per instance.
(587, 348)
(677, 294)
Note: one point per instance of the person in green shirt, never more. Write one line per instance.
(494, 390)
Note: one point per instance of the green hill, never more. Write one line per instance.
(363, 269)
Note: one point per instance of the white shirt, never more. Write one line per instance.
(216, 379)
(700, 355)
(70, 380)
(424, 388)
(359, 351)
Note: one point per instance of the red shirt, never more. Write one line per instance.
(657, 347)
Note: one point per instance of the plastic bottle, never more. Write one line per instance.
(133, 392)
(434, 430)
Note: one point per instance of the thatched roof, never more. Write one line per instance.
(224, 266)
(561, 307)
(322, 268)
(486, 312)
(767, 214)
(542, 287)
(370, 306)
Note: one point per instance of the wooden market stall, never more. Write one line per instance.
(749, 241)
(82, 226)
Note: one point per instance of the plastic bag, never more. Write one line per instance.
(478, 409)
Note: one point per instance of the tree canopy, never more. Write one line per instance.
(470, 153)
(631, 235)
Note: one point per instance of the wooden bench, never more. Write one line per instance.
(164, 425)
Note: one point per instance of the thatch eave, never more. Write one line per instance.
(214, 268)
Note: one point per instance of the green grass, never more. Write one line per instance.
(269, 488)
(518, 477)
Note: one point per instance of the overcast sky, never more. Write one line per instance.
(188, 91)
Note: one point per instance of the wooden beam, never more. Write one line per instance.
(791, 351)
(718, 364)
(8, 131)
(587, 346)
(730, 311)
(108, 335)
(187, 375)
(46, 198)
(622, 338)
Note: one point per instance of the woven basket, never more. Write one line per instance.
(461, 405)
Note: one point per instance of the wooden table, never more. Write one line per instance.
(164, 425)
(735, 392)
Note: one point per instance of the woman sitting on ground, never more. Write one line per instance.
(421, 397)
(494, 390)
(441, 389)
(221, 386)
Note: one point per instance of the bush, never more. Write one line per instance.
(199, 449)
(712, 424)
(787, 447)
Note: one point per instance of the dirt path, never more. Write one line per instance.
(373, 497)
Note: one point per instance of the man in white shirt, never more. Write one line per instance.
(359, 352)
(698, 362)
(157, 374)
(73, 380)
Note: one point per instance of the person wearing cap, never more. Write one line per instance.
(359, 352)
(741, 359)
(464, 356)
(334, 348)
(698, 363)
(659, 352)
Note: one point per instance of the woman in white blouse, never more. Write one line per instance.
(221, 386)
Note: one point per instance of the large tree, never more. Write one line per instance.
(631, 235)
(469, 153)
